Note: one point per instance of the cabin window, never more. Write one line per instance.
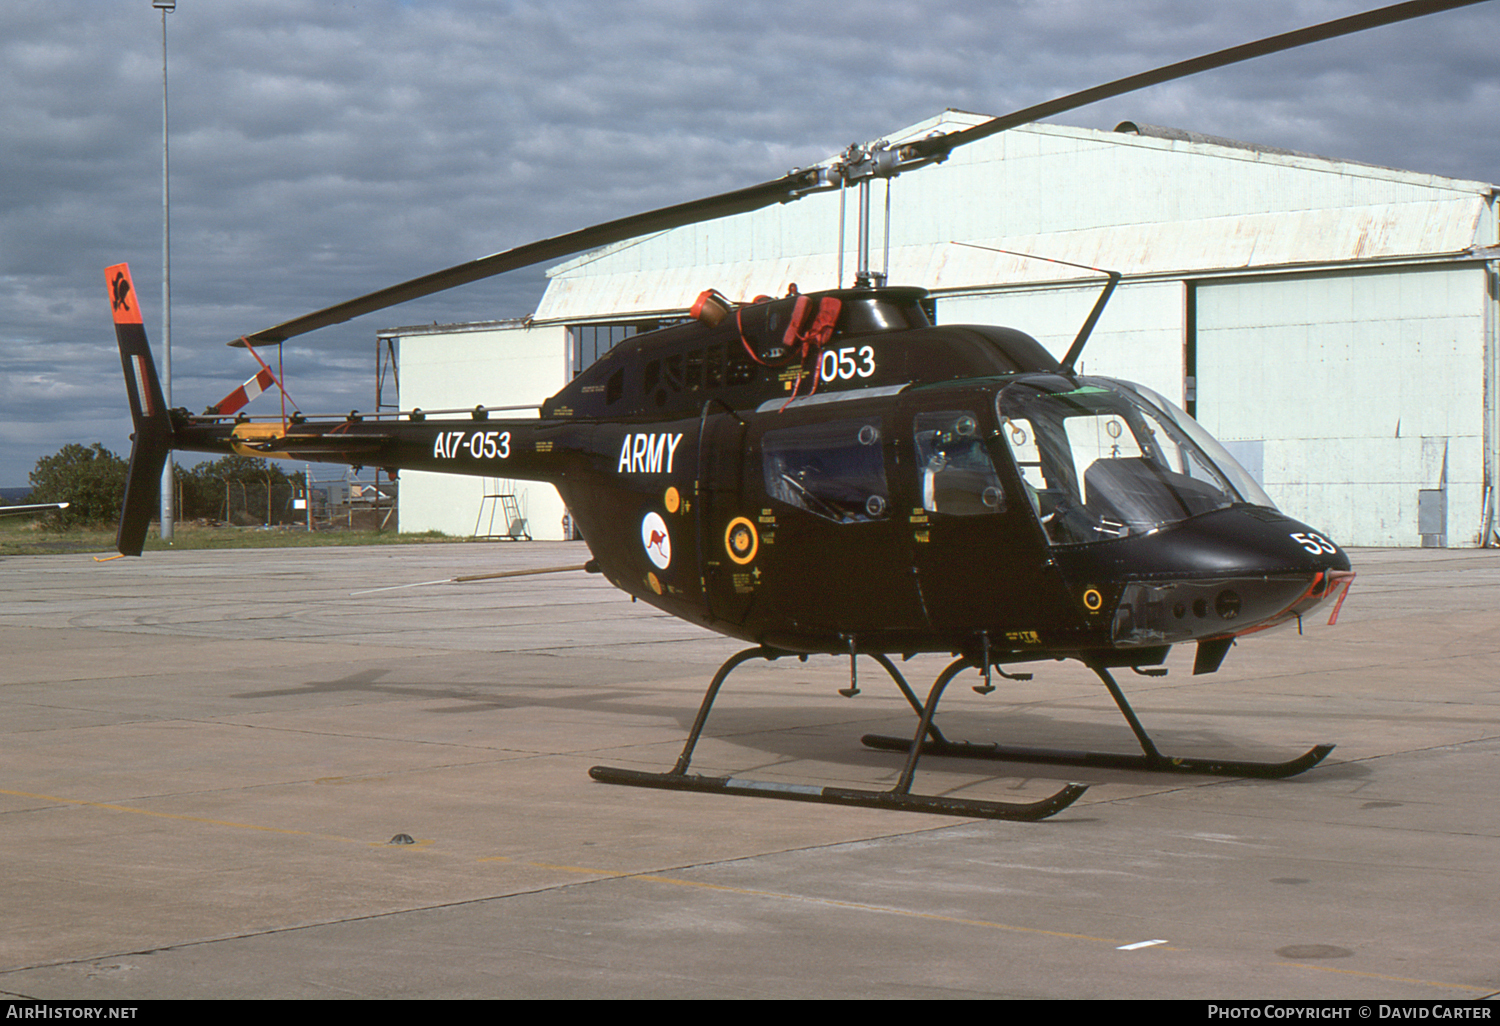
(739, 369)
(957, 476)
(833, 469)
(713, 367)
(589, 342)
(1101, 462)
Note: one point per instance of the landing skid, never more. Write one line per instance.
(843, 795)
(1150, 759)
(1107, 760)
(897, 798)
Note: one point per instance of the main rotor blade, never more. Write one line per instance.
(791, 186)
(781, 190)
(1182, 69)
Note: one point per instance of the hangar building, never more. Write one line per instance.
(1335, 324)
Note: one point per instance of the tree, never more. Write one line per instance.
(237, 489)
(91, 479)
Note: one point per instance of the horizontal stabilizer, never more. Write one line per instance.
(35, 507)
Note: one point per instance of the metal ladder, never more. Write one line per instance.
(499, 497)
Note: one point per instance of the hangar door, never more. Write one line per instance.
(1350, 395)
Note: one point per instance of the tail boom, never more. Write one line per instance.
(531, 449)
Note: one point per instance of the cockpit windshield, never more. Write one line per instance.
(1101, 459)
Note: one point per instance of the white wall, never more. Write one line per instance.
(1138, 337)
(503, 366)
(1363, 388)
(1344, 393)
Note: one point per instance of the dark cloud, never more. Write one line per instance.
(323, 150)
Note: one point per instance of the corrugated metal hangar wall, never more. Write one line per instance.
(1334, 324)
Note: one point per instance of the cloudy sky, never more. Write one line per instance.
(322, 149)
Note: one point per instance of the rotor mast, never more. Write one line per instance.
(860, 165)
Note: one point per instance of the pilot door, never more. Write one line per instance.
(978, 556)
(829, 524)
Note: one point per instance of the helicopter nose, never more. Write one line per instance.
(1172, 612)
(1224, 575)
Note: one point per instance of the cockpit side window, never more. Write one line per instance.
(957, 476)
(1100, 463)
(833, 469)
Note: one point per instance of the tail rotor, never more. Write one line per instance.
(152, 440)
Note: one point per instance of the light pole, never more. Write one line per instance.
(168, 476)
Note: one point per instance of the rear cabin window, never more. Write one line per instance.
(834, 469)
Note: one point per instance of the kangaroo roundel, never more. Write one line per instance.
(656, 541)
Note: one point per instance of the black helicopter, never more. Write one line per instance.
(979, 496)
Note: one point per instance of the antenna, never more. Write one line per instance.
(1076, 349)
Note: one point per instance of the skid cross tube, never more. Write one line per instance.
(1151, 759)
(898, 798)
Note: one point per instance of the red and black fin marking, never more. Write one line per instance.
(148, 412)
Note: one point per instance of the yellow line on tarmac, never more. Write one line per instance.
(673, 881)
(1393, 979)
(182, 816)
(676, 882)
(982, 923)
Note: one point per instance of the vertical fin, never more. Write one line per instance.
(152, 439)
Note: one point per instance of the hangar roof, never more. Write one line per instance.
(1161, 202)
